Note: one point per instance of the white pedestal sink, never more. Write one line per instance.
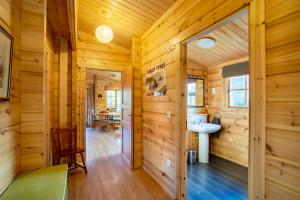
(203, 129)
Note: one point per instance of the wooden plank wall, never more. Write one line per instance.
(283, 99)
(55, 84)
(75, 93)
(62, 95)
(63, 83)
(33, 139)
(159, 43)
(92, 54)
(10, 110)
(136, 60)
(50, 86)
(234, 138)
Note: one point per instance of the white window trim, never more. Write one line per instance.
(247, 93)
(116, 99)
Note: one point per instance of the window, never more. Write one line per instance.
(114, 100)
(119, 100)
(110, 99)
(191, 93)
(239, 91)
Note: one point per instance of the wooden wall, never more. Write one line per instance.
(33, 137)
(92, 54)
(158, 130)
(50, 81)
(136, 60)
(10, 110)
(234, 138)
(283, 99)
(161, 44)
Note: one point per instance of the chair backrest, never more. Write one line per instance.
(103, 114)
(64, 139)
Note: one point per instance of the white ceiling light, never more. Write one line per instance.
(104, 34)
(206, 42)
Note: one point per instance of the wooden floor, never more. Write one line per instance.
(218, 180)
(108, 178)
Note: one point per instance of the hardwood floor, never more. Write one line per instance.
(108, 177)
(218, 180)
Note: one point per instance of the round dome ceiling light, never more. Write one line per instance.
(206, 42)
(104, 34)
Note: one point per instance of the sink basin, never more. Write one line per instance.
(203, 129)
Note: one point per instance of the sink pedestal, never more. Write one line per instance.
(204, 129)
(203, 150)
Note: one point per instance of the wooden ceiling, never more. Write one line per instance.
(231, 44)
(125, 17)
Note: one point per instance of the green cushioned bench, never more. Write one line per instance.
(42, 184)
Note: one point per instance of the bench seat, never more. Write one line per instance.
(42, 184)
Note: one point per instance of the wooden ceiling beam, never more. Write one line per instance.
(72, 6)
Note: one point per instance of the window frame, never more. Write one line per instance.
(246, 89)
(108, 96)
(195, 78)
(116, 99)
(191, 94)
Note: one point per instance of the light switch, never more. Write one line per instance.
(213, 91)
(169, 115)
(168, 163)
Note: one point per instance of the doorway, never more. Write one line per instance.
(217, 111)
(103, 114)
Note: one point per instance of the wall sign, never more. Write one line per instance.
(156, 80)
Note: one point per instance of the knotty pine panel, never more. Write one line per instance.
(32, 92)
(10, 110)
(283, 99)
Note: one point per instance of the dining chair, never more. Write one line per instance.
(105, 120)
(64, 145)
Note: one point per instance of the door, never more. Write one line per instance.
(127, 117)
(90, 104)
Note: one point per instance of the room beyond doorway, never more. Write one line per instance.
(104, 107)
(217, 110)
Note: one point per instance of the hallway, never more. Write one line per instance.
(108, 177)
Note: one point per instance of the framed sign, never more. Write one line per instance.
(6, 49)
(156, 80)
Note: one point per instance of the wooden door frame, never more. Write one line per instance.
(83, 98)
(257, 105)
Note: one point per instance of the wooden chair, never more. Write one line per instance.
(95, 122)
(105, 121)
(64, 144)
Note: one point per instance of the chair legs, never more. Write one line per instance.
(83, 162)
